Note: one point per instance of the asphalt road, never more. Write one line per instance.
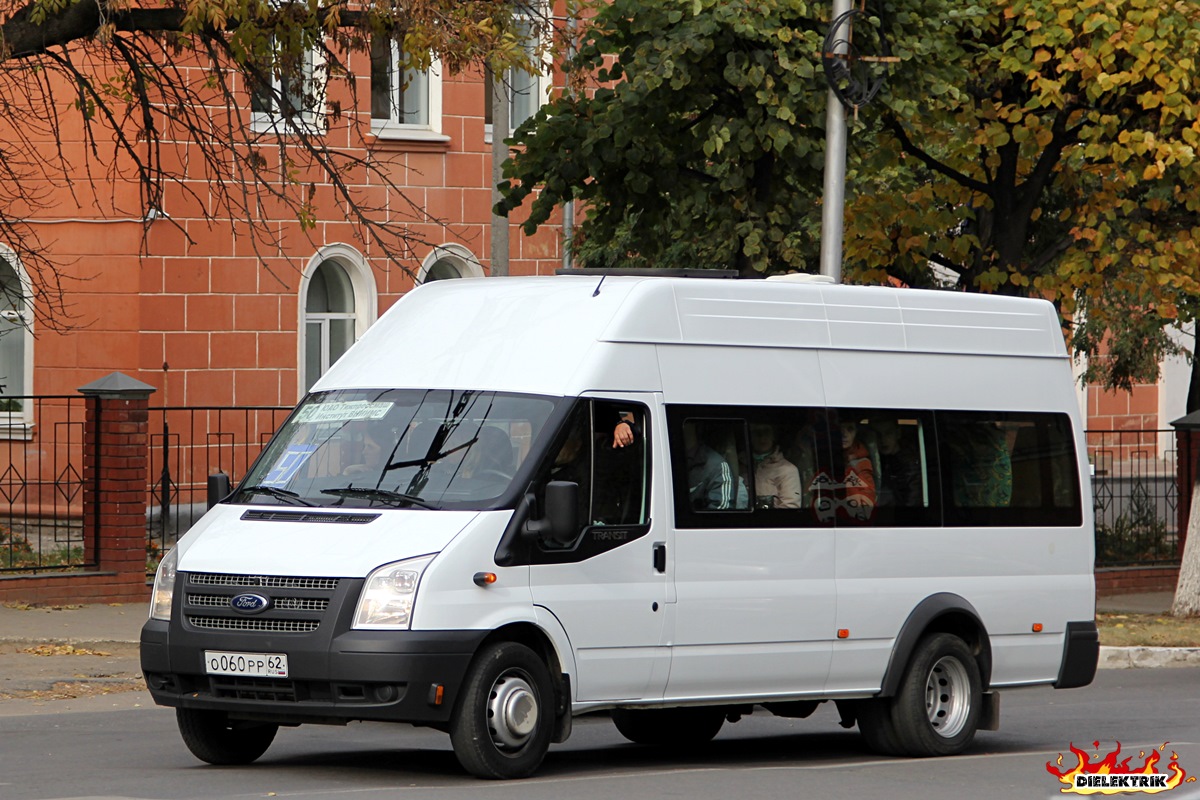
(69, 749)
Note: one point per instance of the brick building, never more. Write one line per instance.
(212, 321)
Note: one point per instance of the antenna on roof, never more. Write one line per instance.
(598, 285)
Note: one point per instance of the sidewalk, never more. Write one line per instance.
(85, 654)
(80, 626)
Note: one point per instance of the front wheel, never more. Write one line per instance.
(669, 727)
(936, 710)
(213, 737)
(504, 718)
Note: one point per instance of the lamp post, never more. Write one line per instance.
(834, 202)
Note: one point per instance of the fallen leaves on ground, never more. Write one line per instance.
(61, 650)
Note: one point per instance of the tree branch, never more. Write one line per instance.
(893, 125)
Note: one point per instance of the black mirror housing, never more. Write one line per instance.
(218, 488)
(559, 523)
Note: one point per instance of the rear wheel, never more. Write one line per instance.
(213, 737)
(669, 727)
(502, 724)
(936, 710)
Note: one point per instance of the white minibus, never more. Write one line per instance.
(674, 500)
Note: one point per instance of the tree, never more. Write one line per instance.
(132, 79)
(1047, 147)
(697, 143)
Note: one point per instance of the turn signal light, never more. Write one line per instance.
(1037, 627)
(484, 578)
(843, 633)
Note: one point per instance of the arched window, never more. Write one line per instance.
(449, 261)
(338, 304)
(16, 347)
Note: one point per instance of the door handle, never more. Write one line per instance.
(660, 556)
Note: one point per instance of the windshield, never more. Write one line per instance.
(400, 448)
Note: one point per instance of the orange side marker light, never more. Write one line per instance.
(484, 578)
(1037, 627)
(843, 633)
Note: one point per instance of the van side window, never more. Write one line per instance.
(1009, 469)
(604, 451)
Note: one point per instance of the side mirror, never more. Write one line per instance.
(218, 488)
(560, 523)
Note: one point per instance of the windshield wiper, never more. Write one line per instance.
(379, 494)
(282, 494)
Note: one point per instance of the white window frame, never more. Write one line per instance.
(464, 260)
(543, 82)
(366, 304)
(393, 128)
(19, 424)
(315, 74)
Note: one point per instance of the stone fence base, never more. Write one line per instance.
(1130, 580)
(74, 588)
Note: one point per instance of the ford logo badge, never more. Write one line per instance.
(249, 603)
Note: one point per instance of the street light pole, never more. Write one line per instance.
(834, 203)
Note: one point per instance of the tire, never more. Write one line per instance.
(936, 710)
(669, 727)
(214, 738)
(504, 718)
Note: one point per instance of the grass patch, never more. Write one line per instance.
(1148, 630)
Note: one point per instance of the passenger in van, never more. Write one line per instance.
(858, 482)
(377, 442)
(490, 457)
(711, 484)
(776, 480)
(899, 479)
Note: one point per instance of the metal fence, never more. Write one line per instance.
(41, 484)
(1136, 497)
(1134, 482)
(187, 444)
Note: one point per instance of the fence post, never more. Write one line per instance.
(115, 443)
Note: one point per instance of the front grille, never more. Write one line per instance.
(264, 581)
(281, 603)
(295, 605)
(255, 624)
(254, 688)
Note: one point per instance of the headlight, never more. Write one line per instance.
(164, 587)
(388, 596)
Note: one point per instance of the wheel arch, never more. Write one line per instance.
(944, 612)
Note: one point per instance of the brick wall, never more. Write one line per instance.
(1130, 580)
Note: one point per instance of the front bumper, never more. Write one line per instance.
(335, 674)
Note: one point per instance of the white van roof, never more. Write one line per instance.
(546, 334)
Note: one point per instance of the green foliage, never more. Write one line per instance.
(696, 148)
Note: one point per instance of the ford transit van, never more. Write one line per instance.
(675, 501)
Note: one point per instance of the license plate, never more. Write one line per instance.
(255, 665)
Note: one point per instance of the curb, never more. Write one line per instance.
(1148, 657)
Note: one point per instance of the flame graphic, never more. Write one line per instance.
(1110, 766)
